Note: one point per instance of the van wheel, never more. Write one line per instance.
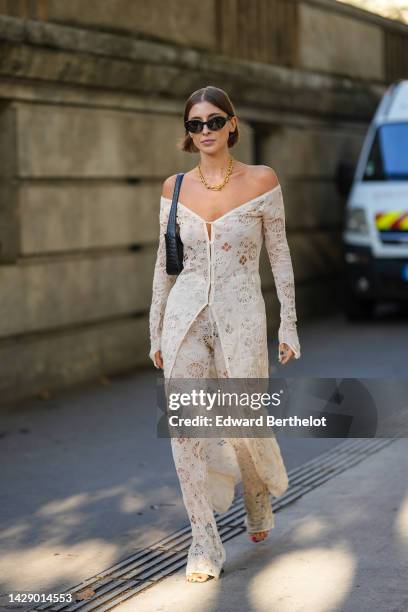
(358, 310)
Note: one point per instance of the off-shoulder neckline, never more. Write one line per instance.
(262, 195)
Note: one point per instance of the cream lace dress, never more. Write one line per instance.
(221, 271)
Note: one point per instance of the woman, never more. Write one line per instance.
(210, 320)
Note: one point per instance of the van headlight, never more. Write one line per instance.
(356, 220)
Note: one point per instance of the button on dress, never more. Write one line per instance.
(221, 271)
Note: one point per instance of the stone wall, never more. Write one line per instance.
(91, 102)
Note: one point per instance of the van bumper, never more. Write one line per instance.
(368, 277)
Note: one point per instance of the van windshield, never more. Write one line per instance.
(388, 159)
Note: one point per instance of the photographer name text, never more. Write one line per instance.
(259, 421)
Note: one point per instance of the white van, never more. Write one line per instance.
(375, 232)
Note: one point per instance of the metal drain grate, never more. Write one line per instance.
(146, 567)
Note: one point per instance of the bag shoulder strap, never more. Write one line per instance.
(171, 224)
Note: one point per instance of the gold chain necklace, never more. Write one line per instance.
(224, 182)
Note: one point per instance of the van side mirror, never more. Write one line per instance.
(344, 177)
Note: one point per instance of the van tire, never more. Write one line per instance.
(358, 310)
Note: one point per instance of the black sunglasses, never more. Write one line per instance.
(195, 126)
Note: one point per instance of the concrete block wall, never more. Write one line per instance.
(331, 42)
(76, 269)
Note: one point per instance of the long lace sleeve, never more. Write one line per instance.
(162, 283)
(274, 231)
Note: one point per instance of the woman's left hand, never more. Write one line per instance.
(285, 353)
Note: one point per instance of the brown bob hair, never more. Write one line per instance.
(219, 98)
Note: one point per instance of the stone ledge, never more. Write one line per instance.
(357, 13)
(44, 52)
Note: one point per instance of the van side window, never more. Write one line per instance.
(388, 158)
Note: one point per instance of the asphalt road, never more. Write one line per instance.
(85, 481)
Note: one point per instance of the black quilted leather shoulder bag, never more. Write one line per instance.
(174, 246)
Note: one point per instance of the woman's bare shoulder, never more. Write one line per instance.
(168, 186)
(266, 177)
(262, 177)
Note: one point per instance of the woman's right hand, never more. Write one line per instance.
(285, 353)
(158, 359)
